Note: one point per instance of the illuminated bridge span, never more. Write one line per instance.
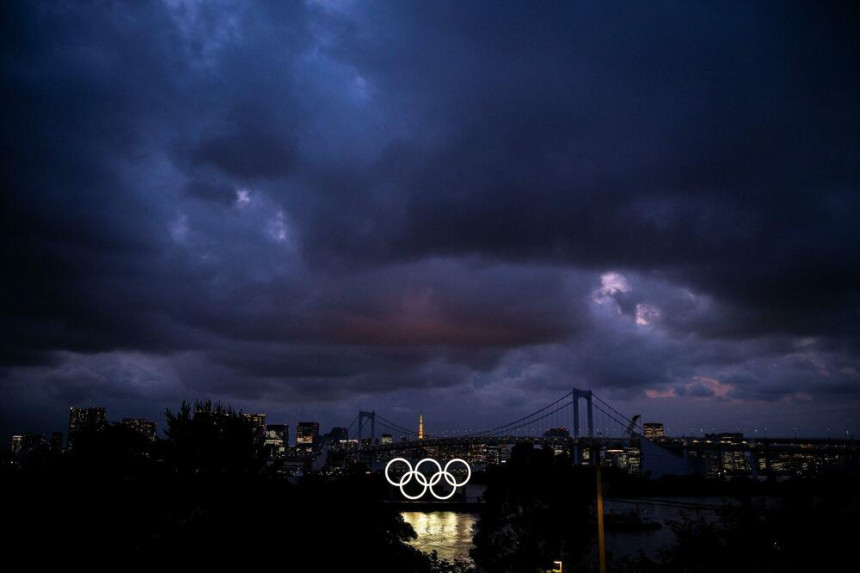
(602, 422)
(605, 431)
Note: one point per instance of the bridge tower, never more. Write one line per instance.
(362, 417)
(577, 394)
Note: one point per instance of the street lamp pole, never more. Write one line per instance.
(601, 540)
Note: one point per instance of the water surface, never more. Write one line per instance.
(448, 533)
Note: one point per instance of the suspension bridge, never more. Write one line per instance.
(593, 422)
(586, 426)
(601, 421)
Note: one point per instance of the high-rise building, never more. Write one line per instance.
(627, 458)
(144, 427)
(307, 434)
(277, 440)
(56, 442)
(34, 442)
(85, 419)
(258, 427)
(386, 439)
(653, 430)
(29, 442)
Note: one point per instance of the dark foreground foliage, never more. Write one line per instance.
(538, 509)
(202, 497)
(808, 525)
(199, 499)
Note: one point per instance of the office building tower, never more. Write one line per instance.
(85, 420)
(652, 430)
(277, 441)
(258, 427)
(28, 443)
(142, 426)
(307, 434)
(56, 442)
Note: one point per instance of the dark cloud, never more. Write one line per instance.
(210, 189)
(249, 152)
(326, 206)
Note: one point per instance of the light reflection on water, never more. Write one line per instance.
(447, 532)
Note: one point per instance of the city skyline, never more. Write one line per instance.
(314, 208)
(547, 427)
(643, 450)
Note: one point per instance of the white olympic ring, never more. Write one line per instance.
(428, 483)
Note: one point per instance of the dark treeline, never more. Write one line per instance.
(202, 496)
(540, 507)
(199, 497)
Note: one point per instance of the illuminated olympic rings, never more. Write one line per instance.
(432, 481)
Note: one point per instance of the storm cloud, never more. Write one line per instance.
(308, 207)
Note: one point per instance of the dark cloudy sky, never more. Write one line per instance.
(307, 208)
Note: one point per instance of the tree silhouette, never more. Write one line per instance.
(536, 511)
(210, 440)
(112, 451)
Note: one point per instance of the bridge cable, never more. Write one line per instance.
(499, 428)
(623, 417)
(385, 421)
(548, 414)
(613, 418)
